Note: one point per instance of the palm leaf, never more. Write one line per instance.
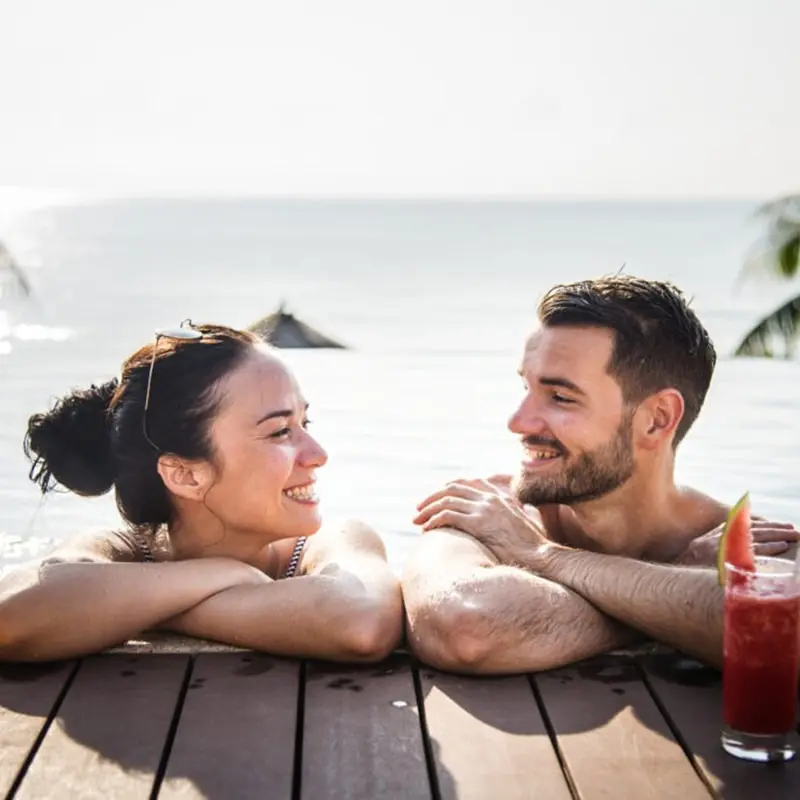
(789, 257)
(783, 324)
(777, 252)
(11, 274)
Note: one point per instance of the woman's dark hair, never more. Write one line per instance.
(93, 439)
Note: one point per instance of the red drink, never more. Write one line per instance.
(761, 658)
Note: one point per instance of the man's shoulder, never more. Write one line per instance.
(700, 511)
(444, 550)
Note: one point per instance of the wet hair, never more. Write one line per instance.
(659, 342)
(93, 439)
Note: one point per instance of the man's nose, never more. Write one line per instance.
(527, 419)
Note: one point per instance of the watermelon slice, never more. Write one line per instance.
(736, 544)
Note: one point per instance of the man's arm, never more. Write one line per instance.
(345, 606)
(468, 613)
(679, 606)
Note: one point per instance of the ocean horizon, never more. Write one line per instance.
(434, 298)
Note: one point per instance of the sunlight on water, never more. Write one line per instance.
(40, 333)
(435, 299)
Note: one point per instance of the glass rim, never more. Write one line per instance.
(787, 571)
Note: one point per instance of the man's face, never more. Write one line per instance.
(573, 423)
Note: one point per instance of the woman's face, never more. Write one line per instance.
(265, 458)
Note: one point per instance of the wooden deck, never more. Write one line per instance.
(244, 725)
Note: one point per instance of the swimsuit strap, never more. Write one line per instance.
(295, 559)
(141, 540)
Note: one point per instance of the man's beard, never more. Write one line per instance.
(588, 476)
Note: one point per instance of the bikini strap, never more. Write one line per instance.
(141, 541)
(295, 559)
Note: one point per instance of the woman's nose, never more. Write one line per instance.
(313, 453)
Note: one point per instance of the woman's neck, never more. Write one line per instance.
(204, 535)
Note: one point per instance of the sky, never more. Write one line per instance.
(578, 98)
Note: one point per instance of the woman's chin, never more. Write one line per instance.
(307, 523)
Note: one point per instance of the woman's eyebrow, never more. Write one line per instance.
(283, 412)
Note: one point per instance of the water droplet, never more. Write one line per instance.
(399, 703)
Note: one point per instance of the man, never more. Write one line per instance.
(587, 549)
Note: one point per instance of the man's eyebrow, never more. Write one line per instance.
(283, 412)
(563, 383)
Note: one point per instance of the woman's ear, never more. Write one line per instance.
(659, 417)
(188, 479)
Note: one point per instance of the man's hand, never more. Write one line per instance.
(769, 538)
(485, 511)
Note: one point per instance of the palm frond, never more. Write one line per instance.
(777, 252)
(789, 256)
(781, 326)
(11, 274)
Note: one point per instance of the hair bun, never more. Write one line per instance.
(71, 443)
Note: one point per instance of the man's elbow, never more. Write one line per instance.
(451, 637)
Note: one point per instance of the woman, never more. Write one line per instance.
(205, 441)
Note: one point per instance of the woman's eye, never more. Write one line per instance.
(307, 422)
(280, 434)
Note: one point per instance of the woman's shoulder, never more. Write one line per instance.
(103, 545)
(348, 536)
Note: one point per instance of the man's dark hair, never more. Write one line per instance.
(658, 340)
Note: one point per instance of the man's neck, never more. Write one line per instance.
(639, 519)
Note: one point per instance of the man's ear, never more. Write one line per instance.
(658, 417)
(188, 479)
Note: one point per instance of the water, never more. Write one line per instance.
(435, 299)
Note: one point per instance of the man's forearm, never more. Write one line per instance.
(679, 606)
(506, 620)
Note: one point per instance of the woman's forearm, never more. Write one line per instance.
(314, 616)
(61, 610)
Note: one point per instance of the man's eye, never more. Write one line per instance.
(559, 398)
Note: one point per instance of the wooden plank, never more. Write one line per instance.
(236, 735)
(615, 742)
(28, 693)
(692, 697)
(489, 740)
(107, 738)
(361, 733)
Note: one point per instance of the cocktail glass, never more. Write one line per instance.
(761, 660)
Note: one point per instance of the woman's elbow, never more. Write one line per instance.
(374, 629)
(14, 646)
(9, 647)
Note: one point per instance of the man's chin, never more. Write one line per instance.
(532, 493)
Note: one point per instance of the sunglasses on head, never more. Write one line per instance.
(185, 331)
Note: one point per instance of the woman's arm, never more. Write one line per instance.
(85, 598)
(345, 605)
